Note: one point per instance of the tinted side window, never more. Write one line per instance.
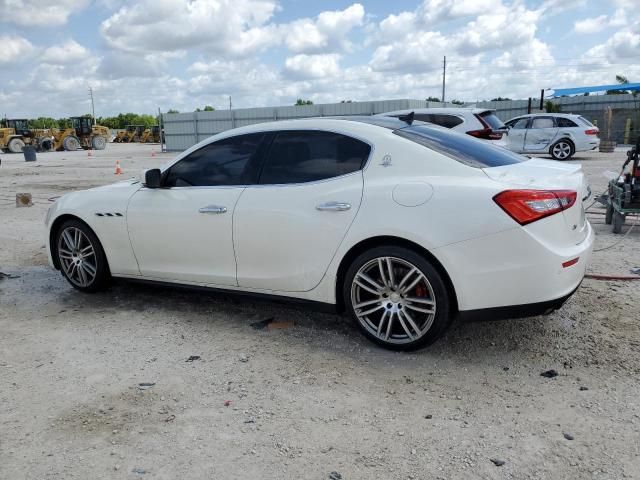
(520, 124)
(447, 121)
(306, 156)
(220, 163)
(460, 147)
(424, 117)
(565, 122)
(544, 122)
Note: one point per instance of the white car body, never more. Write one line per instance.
(273, 239)
(478, 122)
(539, 132)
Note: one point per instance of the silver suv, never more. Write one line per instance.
(559, 134)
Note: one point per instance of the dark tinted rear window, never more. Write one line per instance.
(565, 122)
(493, 120)
(460, 147)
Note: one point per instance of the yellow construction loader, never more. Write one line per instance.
(81, 134)
(15, 134)
(151, 135)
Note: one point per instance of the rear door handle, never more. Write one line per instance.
(213, 209)
(333, 207)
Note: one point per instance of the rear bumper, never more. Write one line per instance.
(514, 272)
(515, 311)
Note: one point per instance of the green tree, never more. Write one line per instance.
(457, 102)
(433, 99)
(621, 80)
(300, 102)
(172, 110)
(44, 122)
(501, 99)
(551, 107)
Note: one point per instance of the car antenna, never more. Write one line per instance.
(408, 118)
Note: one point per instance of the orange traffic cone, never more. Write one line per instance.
(118, 168)
(153, 153)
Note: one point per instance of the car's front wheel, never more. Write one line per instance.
(81, 257)
(397, 298)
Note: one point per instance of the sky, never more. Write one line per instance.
(184, 54)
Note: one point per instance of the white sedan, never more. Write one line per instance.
(404, 226)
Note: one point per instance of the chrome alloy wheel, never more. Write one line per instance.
(393, 300)
(77, 256)
(562, 150)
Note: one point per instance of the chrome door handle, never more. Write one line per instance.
(213, 209)
(333, 206)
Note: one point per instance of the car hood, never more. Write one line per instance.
(124, 184)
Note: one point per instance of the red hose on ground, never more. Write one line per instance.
(596, 276)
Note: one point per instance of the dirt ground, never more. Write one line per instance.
(315, 400)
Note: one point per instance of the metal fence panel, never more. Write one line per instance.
(182, 130)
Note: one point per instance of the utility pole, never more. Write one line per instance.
(444, 76)
(229, 102)
(93, 109)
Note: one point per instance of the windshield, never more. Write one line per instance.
(460, 147)
(492, 120)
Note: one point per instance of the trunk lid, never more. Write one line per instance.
(539, 174)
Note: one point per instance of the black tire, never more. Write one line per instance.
(99, 260)
(434, 325)
(46, 144)
(98, 142)
(71, 143)
(15, 145)
(618, 221)
(558, 147)
(608, 217)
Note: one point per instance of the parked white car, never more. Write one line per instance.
(478, 122)
(559, 134)
(404, 226)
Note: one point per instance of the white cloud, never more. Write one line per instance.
(413, 53)
(231, 27)
(434, 11)
(503, 27)
(68, 52)
(591, 25)
(14, 48)
(328, 32)
(312, 66)
(39, 12)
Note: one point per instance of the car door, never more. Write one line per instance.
(289, 226)
(516, 134)
(540, 134)
(183, 231)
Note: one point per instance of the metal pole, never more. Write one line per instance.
(444, 76)
(229, 102)
(161, 129)
(542, 99)
(93, 109)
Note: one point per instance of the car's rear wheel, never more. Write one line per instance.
(81, 257)
(397, 298)
(562, 150)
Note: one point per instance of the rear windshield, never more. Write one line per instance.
(586, 122)
(461, 147)
(493, 120)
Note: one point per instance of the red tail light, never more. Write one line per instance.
(592, 131)
(526, 206)
(485, 133)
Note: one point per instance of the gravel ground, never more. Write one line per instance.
(306, 400)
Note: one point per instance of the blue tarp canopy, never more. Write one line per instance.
(558, 92)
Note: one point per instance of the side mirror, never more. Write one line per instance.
(152, 178)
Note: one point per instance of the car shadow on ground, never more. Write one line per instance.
(300, 327)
